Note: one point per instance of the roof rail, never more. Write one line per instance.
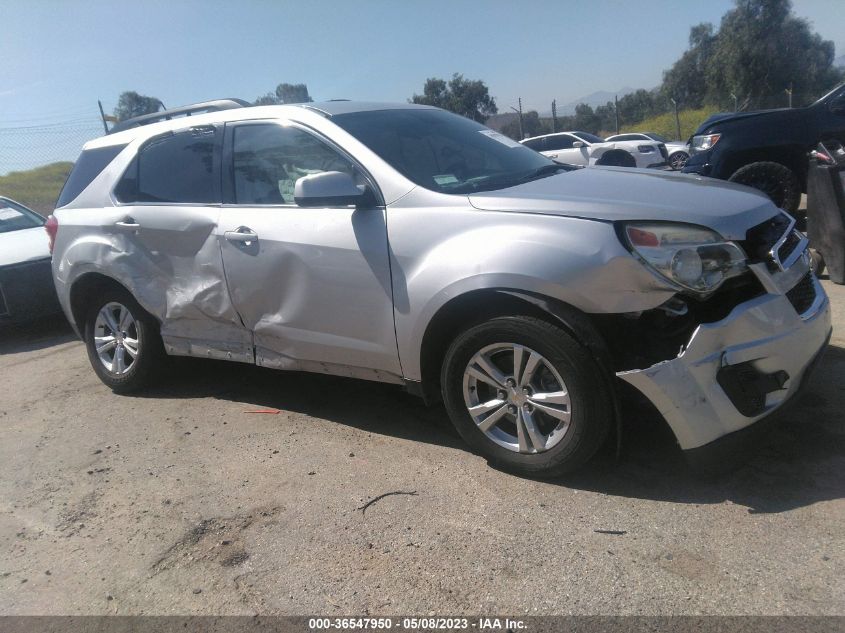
(166, 115)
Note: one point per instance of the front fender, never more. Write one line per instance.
(571, 260)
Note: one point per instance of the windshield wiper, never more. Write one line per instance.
(545, 170)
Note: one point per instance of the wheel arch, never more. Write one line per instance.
(476, 306)
(790, 156)
(84, 289)
(625, 155)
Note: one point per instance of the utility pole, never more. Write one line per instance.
(519, 112)
(789, 92)
(616, 111)
(677, 118)
(733, 96)
(103, 117)
(554, 115)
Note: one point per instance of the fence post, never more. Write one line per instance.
(677, 118)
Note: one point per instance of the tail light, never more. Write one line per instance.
(52, 228)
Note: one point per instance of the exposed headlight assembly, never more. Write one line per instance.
(704, 142)
(690, 256)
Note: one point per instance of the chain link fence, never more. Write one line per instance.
(36, 156)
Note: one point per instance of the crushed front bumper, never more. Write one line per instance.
(765, 337)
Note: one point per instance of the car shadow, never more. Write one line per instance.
(797, 463)
(35, 335)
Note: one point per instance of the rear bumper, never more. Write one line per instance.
(767, 337)
(27, 291)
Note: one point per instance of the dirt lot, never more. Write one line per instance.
(183, 502)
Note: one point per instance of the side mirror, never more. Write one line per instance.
(327, 189)
(578, 144)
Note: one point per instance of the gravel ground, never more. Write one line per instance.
(184, 502)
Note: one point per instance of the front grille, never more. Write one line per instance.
(760, 239)
(663, 152)
(803, 294)
(788, 247)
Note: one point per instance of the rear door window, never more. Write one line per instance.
(88, 166)
(176, 167)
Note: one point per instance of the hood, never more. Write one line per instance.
(727, 117)
(613, 193)
(23, 246)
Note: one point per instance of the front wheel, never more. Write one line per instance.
(123, 342)
(527, 396)
(677, 160)
(777, 181)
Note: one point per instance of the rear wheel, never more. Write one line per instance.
(123, 342)
(777, 181)
(526, 395)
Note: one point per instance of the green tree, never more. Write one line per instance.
(131, 104)
(467, 97)
(532, 125)
(761, 49)
(686, 80)
(285, 93)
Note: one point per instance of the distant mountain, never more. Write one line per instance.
(839, 61)
(594, 99)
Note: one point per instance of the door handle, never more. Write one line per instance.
(128, 225)
(243, 234)
(552, 155)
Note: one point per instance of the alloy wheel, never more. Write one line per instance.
(117, 339)
(517, 398)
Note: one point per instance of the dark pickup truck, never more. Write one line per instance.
(767, 149)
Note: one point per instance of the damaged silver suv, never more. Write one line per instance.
(405, 244)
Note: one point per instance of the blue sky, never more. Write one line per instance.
(58, 57)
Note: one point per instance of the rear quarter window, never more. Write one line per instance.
(89, 165)
(176, 167)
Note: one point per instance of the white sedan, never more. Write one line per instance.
(26, 280)
(582, 148)
(678, 150)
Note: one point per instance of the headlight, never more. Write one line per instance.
(704, 142)
(692, 257)
(645, 149)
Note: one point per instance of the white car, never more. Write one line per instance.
(678, 150)
(26, 280)
(583, 148)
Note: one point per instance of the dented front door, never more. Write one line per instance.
(312, 284)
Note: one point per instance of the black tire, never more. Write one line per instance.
(591, 409)
(150, 354)
(617, 158)
(816, 262)
(677, 160)
(777, 181)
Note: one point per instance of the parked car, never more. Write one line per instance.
(408, 245)
(582, 148)
(26, 281)
(767, 149)
(678, 151)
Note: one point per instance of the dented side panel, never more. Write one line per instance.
(171, 264)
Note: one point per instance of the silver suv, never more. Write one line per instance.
(408, 245)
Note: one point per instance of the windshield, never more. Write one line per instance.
(590, 138)
(14, 217)
(445, 152)
(657, 137)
